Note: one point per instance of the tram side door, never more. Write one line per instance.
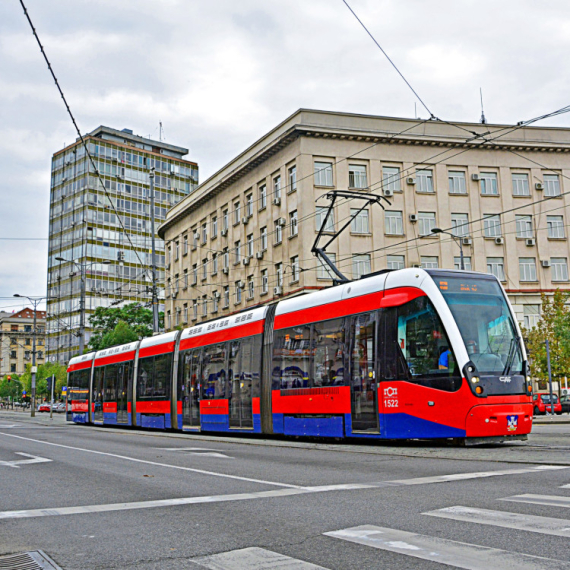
(122, 391)
(98, 387)
(241, 384)
(190, 388)
(363, 381)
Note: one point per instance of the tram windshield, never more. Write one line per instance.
(485, 322)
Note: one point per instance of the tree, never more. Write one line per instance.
(44, 372)
(10, 387)
(135, 323)
(553, 325)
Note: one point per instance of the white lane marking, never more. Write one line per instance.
(16, 464)
(532, 523)
(550, 500)
(565, 486)
(155, 463)
(477, 475)
(8, 427)
(253, 559)
(203, 451)
(444, 551)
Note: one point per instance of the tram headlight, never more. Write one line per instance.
(475, 380)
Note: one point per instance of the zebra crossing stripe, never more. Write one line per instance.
(532, 523)
(548, 500)
(450, 552)
(253, 559)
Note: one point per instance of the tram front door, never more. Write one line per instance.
(363, 382)
(190, 387)
(123, 375)
(241, 384)
(98, 389)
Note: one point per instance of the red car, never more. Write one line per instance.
(43, 408)
(542, 404)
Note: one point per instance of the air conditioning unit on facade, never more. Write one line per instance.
(225, 270)
(410, 180)
(224, 232)
(259, 255)
(388, 193)
(530, 242)
(278, 290)
(545, 263)
(216, 295)
(241, 284)
(244, 220)
(245, 260)
(413, 218)
(539, 186)
(277, 201)
(281, 222)
(466, 241)
(417, 265)
(499, 240)
(475, 177)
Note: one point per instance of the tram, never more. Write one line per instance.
(405, 354)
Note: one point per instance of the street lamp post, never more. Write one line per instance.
(35, 302)
(155, 325)
(457, 239)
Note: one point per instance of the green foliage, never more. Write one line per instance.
(10, 389)
(553, 325)
(120, 325)
(43, 373)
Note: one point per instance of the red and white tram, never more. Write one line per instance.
(399, 355)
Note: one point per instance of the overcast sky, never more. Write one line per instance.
(220, 73)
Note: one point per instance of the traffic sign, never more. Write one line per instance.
(64, 389)
(23, 392)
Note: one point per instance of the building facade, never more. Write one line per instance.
(100, 237)
(16, 340)
(245, 236)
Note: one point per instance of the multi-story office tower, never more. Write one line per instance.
(501, 191)
(100, 227)
(16, 340)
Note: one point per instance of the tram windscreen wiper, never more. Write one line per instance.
(512, 351)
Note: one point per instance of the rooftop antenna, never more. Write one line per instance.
(483, 120)
(160, 131)
(415, 110)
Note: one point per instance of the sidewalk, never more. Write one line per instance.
(548, 419)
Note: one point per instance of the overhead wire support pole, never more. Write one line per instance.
(154, 292)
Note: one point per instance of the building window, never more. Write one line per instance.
(295, 268)
(238, 292)
(249, 205)
(237, 213)
(460, 225)
(13, 354)
(321, 213)
(293, 223)
(457, 182)
(250, 245)
(226, 296)
(185, 245)
(214, 227)
(496, 267)
(359, 223)
(466, 263)
(277, 187)
(292, 172)
(492, 225)
(360, 265)
(215, 302)
(555, 226)
(278, 232)
(226, 256)
(204, 305)
(204, 233)
(194, 309)
(185, 312)
(489, 185)
(531, 316)
(262, 196)
(264, 282)
(524, 226)
(214, 263)
(177, 250)
(279, 274)
(250, 287)
(559, 268)
(225, 220)
(237, 249)
(12, 368)
(427, 222)
(520, 185)
(176, 317)
(393, 222)
(429, 261)
(551, 185)
(391, 178)
(204, 269)
(395, 262)
(323, 174)
(263, 238)
(424, 180)
(357, 176)
(527, 268)
(195, 238)
(185, 279)
(168, 320)
(323, 270)
(194, 274)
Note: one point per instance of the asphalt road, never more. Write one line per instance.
(102, 498)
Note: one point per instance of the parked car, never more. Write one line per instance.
(565, 404)
(59, 408)
(43, 408)
(542, 404)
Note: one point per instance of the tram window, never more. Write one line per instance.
(363, 347)
(154, 377)
(251, 363)
(214, 372)
(79, 384)
(234, 365)
(424, 344)
(292, 357)
(189, 371)
(329, 349)
(110, 386)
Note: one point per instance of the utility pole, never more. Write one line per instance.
(155, 328)
(82, 311)
(549, 377)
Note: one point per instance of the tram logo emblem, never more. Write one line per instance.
(505, 379)
(390, 392)
(512, 423)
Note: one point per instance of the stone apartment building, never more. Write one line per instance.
(244, 237)
(16, 340)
